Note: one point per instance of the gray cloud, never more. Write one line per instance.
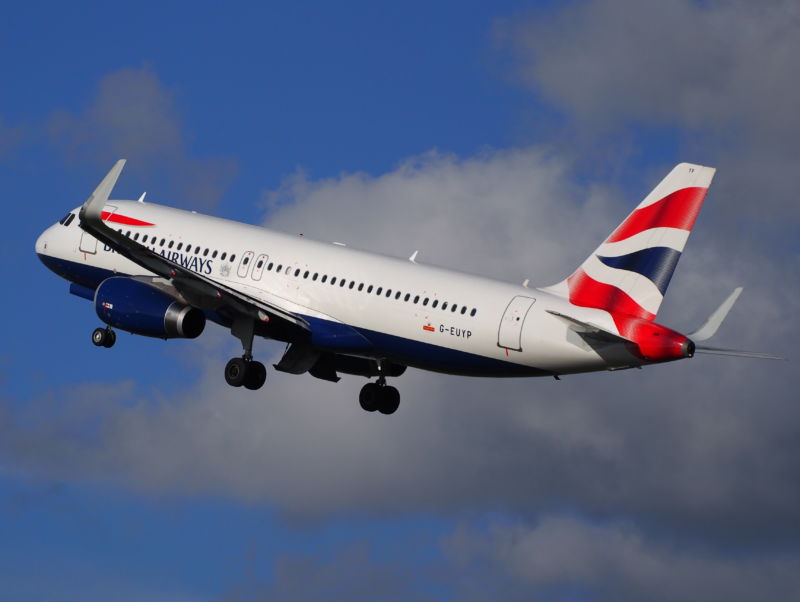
(722, 71)
(134, 115)
(560, 556)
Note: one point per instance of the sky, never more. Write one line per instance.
(504, 139)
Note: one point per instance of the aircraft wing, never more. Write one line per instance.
(198, 289)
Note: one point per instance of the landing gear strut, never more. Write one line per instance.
(104, 337)
(244, 371)
(379, 396)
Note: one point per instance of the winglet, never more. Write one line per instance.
(413, 258)
(712, 324)
(93, 207)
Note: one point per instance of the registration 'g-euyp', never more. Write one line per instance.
(163, 272)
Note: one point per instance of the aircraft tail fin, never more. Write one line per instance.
(629, 273)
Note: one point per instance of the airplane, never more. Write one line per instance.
(162, 272)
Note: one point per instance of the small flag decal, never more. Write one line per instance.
(429, 328)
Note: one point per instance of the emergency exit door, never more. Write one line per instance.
(510, 333)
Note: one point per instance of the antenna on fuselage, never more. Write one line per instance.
(141, 198)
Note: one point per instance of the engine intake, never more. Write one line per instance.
(140, 308)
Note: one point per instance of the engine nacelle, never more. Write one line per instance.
(139, 308)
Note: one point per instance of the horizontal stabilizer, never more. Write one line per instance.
(712, 324)
(591, 329)
(735, 352)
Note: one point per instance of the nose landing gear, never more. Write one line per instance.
(104, 337)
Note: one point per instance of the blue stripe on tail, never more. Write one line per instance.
(655, 264)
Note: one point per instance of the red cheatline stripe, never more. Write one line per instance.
(585, 291)
(123, 219)
(677, 210)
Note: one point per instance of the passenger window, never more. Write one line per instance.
(180, 246)
(161, 243)
(352, 284)
(222, 257)
(369, 288)
(397, 295)
(306, 274)
(361, 287)
(172, 242)
(314, 277)
(188, 249)
(269, 267)
(407, 297)
(342, 282)
(378, 292)
(197, 250)
(444, 305)
(233, 257)
(435, 303)
(280, 267)
(136, 236)
(214, 254)
(144, 239)
(205, 253)
(128, 234)
(324, 277)
(333, 280)
(416, 299)
(297, 272)
(260, 263)
(388, 293)
(463, 309)
(454, 307)
(246, 260)
(473, 312)
(425, 301)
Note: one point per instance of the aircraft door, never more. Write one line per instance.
(244, 264)
(88, 242)
(259, 267)
(510, 333)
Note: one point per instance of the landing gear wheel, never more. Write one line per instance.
(111, 338)
(104, 337)
(236, 372)
(389, 400)
(256, 376)
(369, 397)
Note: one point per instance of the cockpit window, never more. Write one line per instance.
(67, 219)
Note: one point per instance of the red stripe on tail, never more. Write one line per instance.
(585, 291)
(677, 210)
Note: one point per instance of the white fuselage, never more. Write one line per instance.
(442, 320)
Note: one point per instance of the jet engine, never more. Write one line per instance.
(140, 308)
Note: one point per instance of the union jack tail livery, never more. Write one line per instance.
(629, 273)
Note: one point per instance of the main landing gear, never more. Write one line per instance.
(104, 337)
(244, 371)
(379, 396)
(241, 371)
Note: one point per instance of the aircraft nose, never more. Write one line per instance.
(41, 242)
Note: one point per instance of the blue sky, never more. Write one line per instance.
(503, 138)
